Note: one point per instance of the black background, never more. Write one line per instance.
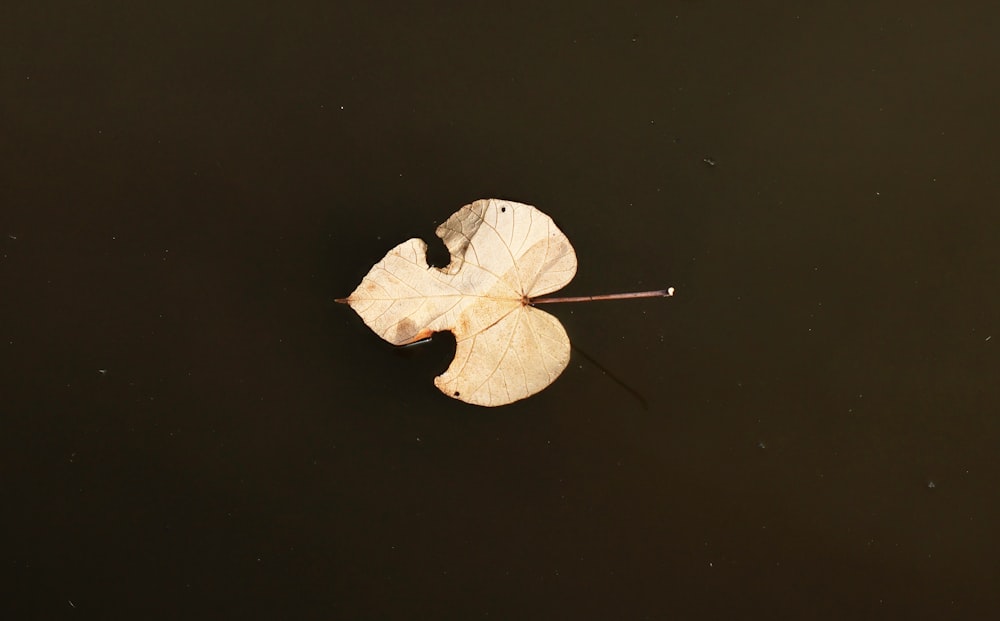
(191, 428)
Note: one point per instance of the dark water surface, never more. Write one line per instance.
(191, 428)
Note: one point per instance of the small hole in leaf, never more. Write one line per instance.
(503, 210)
(457, 393)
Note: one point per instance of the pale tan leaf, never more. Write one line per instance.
(502, 255)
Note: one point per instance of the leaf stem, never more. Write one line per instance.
(659, 293)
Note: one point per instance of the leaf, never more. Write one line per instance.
(502, 255)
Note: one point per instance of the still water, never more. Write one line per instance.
(808, 429)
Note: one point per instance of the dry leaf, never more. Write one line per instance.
(502, 255)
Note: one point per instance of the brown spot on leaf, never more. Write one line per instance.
(405, 331)
(462, 326)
